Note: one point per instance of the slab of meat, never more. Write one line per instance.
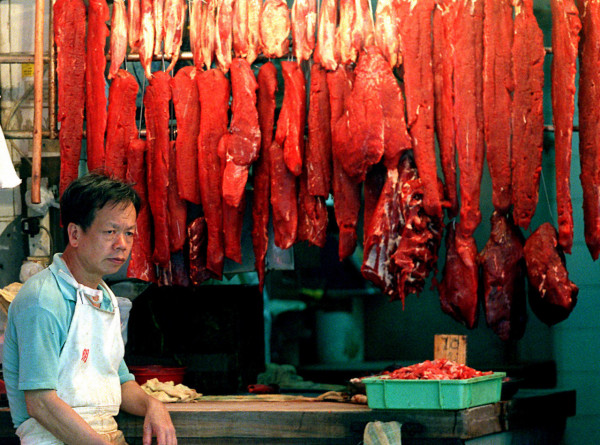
(95, 83)
(233, 221)
(202, 32)
(292, 117)
(243, 139)
(254, 7)
(224, 33)
(141, 265)
(589, 123)
(213, 88)
(552, 296)
(325, 48)
(415, 29)
(275, 28)
(503, 278)
(174, 22)
(362, 31)
(458, 289)
(134, 25)
(312, 215)
(497, 89)
(443, 68)
(345, 52)
(372, 188)
(527, 113)
(180, 275)
(118, 37)
(304, 23)
(386, 32)
(158, 12)
(284, 199)
(246, 39)
(177, 208)
(565, 43)
(147, 39)
(69, 35)
(187, 114)
(318, 148)
(121, 126)
(197, 236)
(156, 104)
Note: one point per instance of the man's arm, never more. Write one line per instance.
(157, 421)
(60, 419)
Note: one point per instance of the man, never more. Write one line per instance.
(63, 351)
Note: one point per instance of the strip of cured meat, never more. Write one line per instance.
(363, 28)
(372, 188)
(254, 7)
(589, 123)
(345, 52)
(158, 12)
(69, 35)
(197, 236)
(415, 44)
(224, 33)
(292, 117)
(503, 278)
(202, 32)
(177, 208)
(325, 48)
(304, 23)
(246, 34)
(213, 88)
(443, 24)
(243, 140)
(134, 25)
(284, 199)
(95, 83)
(174, 22)
(527, 112)
(318, 149)
(386, 32)
(147, 39)
(187, 113)
(266, 104)
(312, 215)
(565, 43)
(275, 28)
(118, 37)
(497, 90)
(552, 295)
(156, 104)
(141, 265)
(458, 289)
(121, 126)
(233, 221)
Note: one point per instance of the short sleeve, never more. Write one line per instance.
(124, 374)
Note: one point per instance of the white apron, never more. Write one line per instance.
(88, 378)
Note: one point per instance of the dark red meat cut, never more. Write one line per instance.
(180, 275)
(312, 215)
(141, 265)
(552, 296)
(503, 278)
(197, 235)
(284, 199)
(497, 91)
(527, 113)
(69, 35)
(372, 188)
(121, 126)
(187, 114)
(565, 43)
(177, 208)
(233, 222)
(156, 104)
(95, 83)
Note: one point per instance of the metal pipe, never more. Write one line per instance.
(52, 76)
(38, 105)
(20, 58)
(23, 134)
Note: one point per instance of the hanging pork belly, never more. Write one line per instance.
(274, 28)
(118, 37)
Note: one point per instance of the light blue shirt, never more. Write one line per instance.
(38, 323)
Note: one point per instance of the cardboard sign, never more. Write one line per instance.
(452, 347)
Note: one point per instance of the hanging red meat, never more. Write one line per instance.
(266, 104)
(69, 35)
(224, 33)
(589, 123)
(180, 275)
(187, 114)
(158, 12)
(233, 221)
(292, 117)
(416, 47)
(141, 265)
(242, 143)
(312, 215)
(304, 23)
(552, 296)
(177, 208)
(528, 113)
(372, 188)
(345, 52)
(213, 88)
(325, 53)
(497, 90)
(147, 37)
(283, 199)
(246, 39)
(202, 32)
(118, 37)
(174, 22)
(95, 83)
(565, 43)
(275, 28)
(254, 7)
(156, 104)
(386, 32)
(362, 31)
(458, 289)
(503, 278)
(197, 236)
(318, 148)
(134, 25)
(443, 25)
(120, 127)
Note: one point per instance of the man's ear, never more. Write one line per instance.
(74, 231)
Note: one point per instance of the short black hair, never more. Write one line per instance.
(86, 195)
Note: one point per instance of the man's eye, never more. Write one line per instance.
(130, 233)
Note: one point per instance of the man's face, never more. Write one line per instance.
(105, 246)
